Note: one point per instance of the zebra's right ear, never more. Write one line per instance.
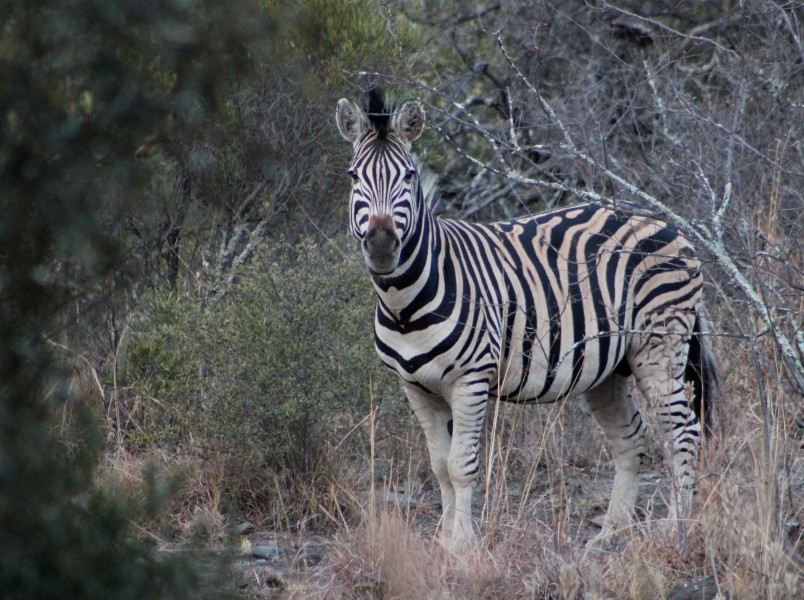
(352, 123)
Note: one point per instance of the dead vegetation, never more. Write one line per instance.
(546, 478)
(745, 539)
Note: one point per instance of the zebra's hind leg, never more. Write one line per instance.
(435, 417)
(613, 406)
(659, 367)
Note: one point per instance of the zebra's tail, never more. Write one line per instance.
(701, 372)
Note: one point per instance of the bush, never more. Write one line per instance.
(275, 376)
(64, 538)
(83, 88)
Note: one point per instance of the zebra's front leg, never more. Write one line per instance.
(435, 417)
(468, 400)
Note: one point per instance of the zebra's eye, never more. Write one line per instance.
(409, 175)
(354, 176)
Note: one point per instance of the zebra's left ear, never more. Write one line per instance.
(409, 122)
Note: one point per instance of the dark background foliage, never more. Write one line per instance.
(136, 138)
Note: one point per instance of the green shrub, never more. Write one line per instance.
(290, 359)
(162, 362)
(275, 376)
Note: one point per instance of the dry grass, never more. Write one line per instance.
(546, 475)
(388, 556)
(534, 517)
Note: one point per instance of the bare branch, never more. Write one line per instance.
(693, 36)
(701, 235)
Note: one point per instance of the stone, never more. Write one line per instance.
(243, 528)
(266, 551)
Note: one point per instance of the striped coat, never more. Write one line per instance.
(542, 308)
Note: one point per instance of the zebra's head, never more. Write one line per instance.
(384, 177)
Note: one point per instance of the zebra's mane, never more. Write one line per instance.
(378, 112)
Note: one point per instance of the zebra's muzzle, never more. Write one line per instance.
(381, 245)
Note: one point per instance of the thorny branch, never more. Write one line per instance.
(693, 36)
(505, 147)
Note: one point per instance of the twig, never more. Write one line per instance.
(700, 234)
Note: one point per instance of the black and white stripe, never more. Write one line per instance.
(546, 307)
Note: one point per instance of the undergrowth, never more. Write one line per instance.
(322, 453)
(264, 391)
(744, 539)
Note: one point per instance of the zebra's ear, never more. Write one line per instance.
(352, 123)
(409, 122)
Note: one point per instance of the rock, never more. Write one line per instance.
(243, 528)
(266, 551)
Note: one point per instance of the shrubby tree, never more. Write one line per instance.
(263, 170)
(163, 148)
(273, 380)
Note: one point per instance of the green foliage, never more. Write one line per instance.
(71, 541)
(295, 358)
(85, 84)
(103, 106)
(247, 171)
(276, 374)
(162, 360)
(345, 35)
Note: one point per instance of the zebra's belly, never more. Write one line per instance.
(539, 376)
(570, 367)
(537, 388)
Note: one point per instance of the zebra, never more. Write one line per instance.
(539, 309)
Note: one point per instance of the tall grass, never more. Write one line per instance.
(546, 478)
(545, 481)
